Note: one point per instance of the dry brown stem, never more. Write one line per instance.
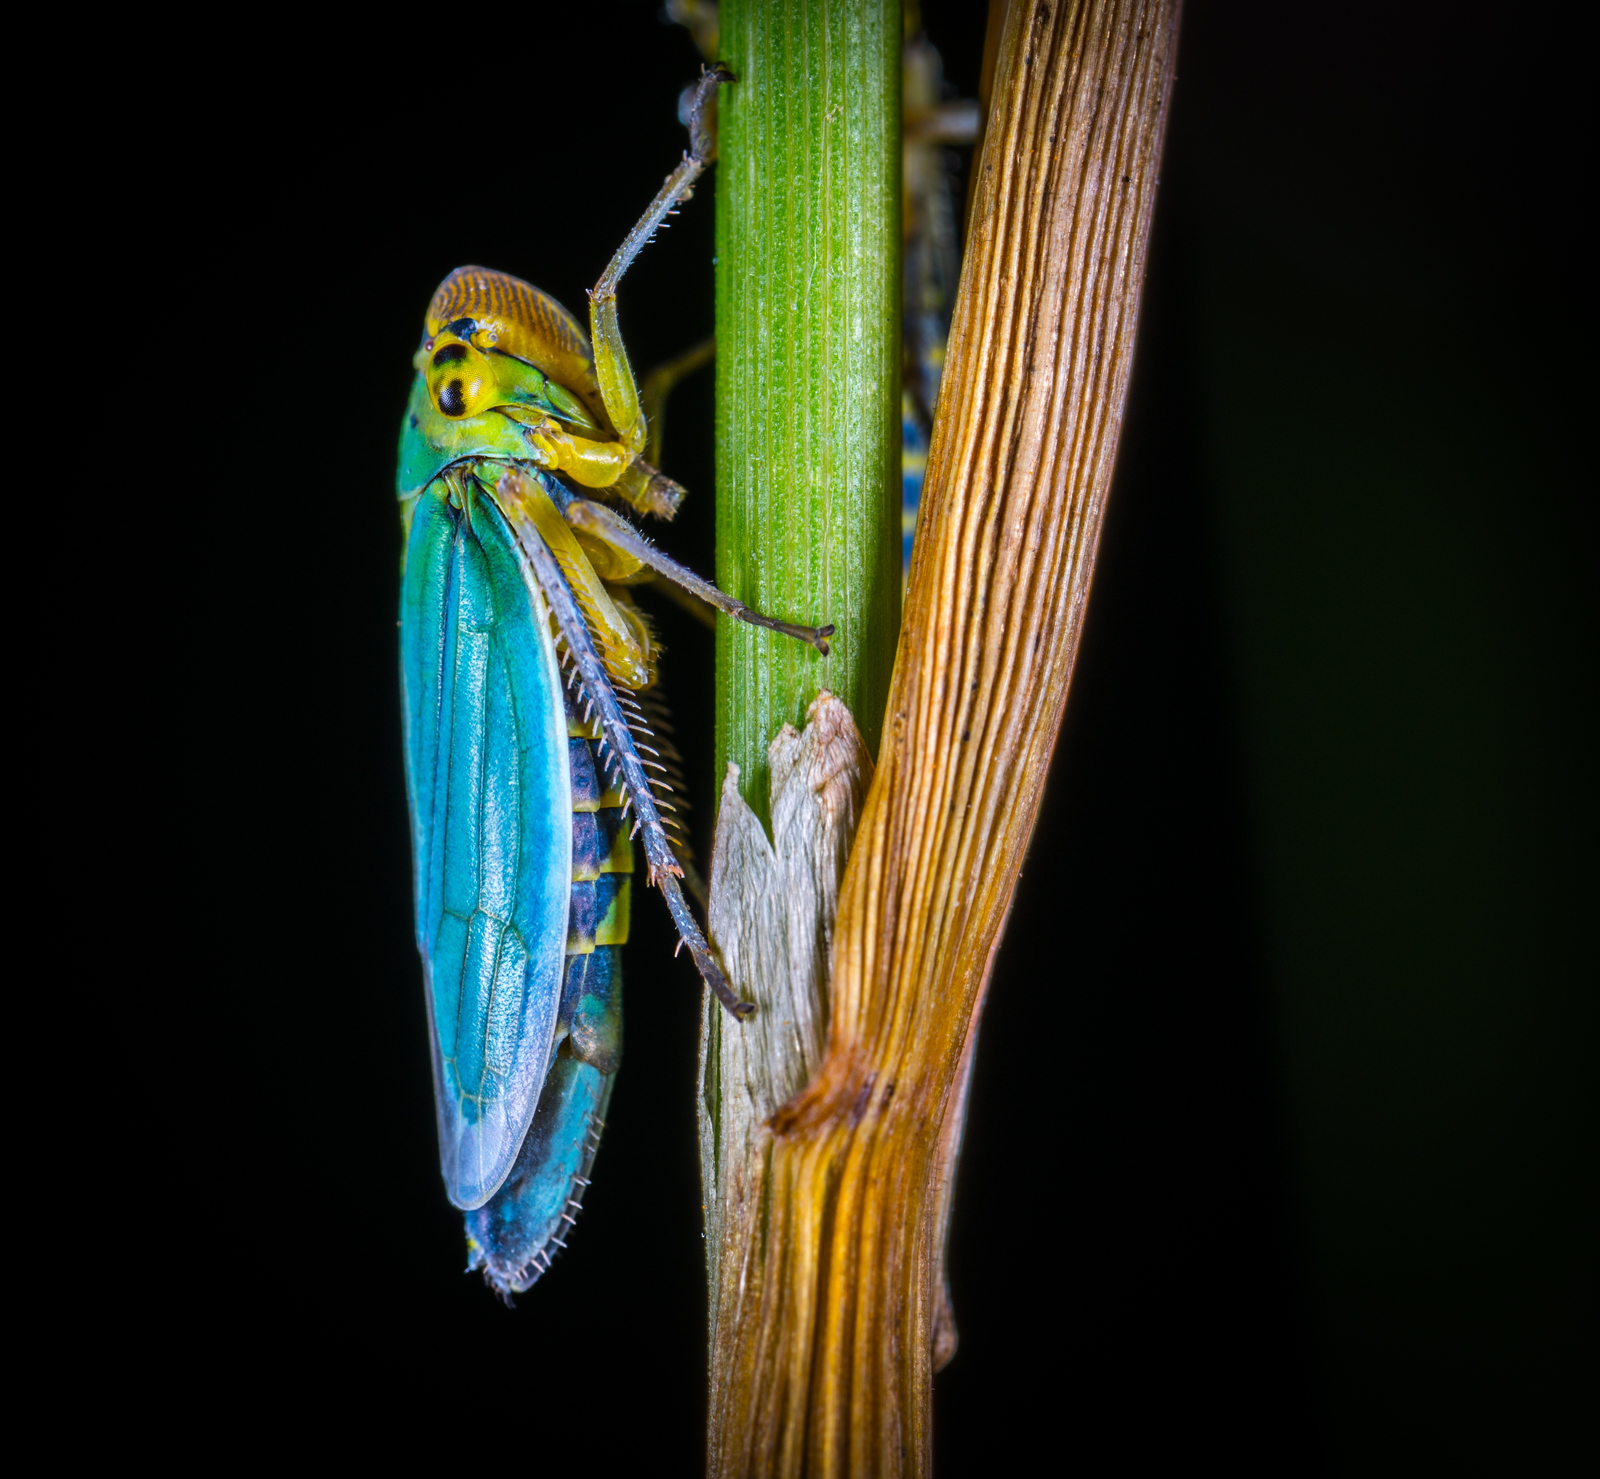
(828, 1286)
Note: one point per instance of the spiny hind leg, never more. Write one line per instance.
(618, 712)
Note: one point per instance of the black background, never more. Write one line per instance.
(1132, 1272)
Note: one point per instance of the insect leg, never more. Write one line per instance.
(659, 384)
(700, 19)
(651, 724)
(664, 869)
(527, 499)
(617, 390)
(600, 523)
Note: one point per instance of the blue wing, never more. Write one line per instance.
(491, 819)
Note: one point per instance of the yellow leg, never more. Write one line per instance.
(660, 383)
(624, 647)
(591, 464)
(611, 367)
(649, 491)
(600, 526)
(615, 374)
(588, 463)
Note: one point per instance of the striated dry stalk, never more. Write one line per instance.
(826, 1273)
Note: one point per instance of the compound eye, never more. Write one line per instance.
(461, 379)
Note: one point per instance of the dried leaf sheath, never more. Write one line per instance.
(823, 1346)
(772, 910)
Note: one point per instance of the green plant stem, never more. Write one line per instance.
(808, 364)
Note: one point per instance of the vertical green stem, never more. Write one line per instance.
(808, 364)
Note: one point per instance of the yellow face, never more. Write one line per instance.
(502, 316)
(461, 379)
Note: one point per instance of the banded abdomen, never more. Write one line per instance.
(515, 1234)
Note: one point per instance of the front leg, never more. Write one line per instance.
(592, 464)
(611, 367)
(589, 463)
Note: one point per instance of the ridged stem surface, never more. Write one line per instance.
(808, 364)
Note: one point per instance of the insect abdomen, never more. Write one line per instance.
(514, 1236)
